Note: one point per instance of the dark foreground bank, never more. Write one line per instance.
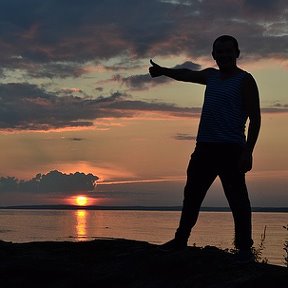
(118, 263)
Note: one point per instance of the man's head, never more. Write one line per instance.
(225, 52)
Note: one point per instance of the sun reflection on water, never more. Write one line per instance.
(81, 224)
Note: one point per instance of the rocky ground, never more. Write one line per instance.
(109, 263)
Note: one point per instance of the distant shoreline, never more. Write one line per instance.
(136, 208)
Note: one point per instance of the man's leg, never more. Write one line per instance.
(200, 176)
(237, 195)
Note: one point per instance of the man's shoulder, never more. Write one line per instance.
(249, 85)
(248, 78)
(246, 74)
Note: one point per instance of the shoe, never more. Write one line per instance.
(245, 256)
(174, 245)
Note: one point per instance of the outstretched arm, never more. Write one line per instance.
(183, 74)
(252, 106)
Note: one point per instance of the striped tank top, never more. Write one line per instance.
(223, 116)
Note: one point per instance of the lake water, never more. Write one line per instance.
(213, 228)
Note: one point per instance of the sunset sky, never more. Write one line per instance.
(75, 95)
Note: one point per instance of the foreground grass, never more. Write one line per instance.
(110, 263)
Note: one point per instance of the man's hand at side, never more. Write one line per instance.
(245, 161)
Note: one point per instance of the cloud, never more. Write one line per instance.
(184, 136)
(76, 139)
(275, 109)
(56, 70)
(52, 182)
(266, 5)
(60, 36)
(279, 105)
(28, 107)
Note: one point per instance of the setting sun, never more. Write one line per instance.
(81, 200)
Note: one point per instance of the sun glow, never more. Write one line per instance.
(81, 200)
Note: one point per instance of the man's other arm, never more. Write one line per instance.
(252, 106)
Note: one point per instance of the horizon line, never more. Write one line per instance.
(136, 207)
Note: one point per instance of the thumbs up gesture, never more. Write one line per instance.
(155, 70)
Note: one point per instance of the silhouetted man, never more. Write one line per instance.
(222, 149)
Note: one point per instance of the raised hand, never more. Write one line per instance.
(155, 70)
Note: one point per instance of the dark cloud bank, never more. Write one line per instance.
(29, 107)
(52, 182)
(53, 38)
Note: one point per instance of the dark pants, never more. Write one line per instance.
(207, 162)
